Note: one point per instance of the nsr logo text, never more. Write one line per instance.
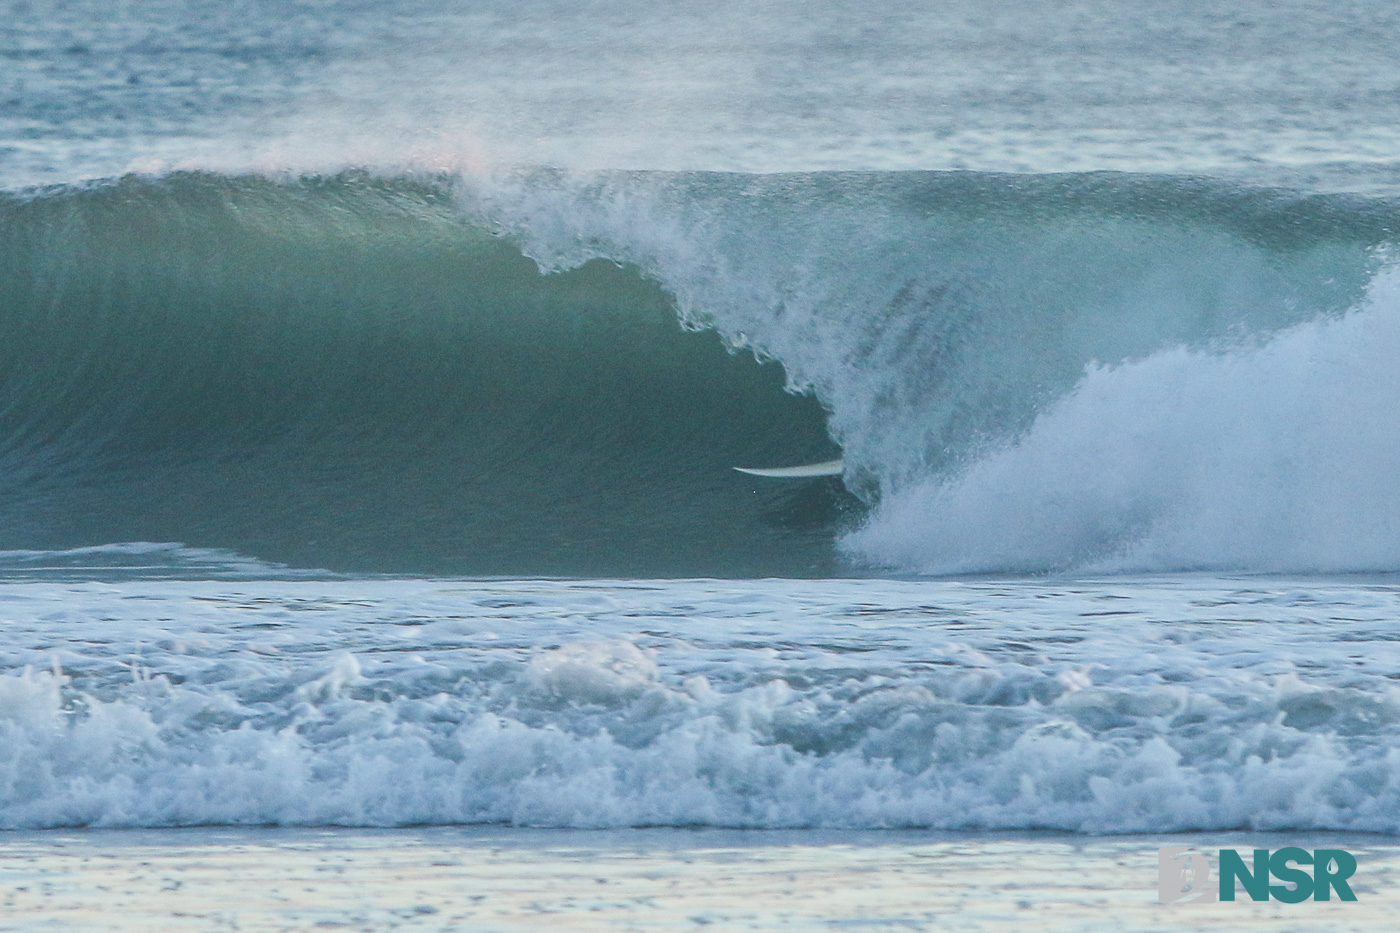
(1183, 875)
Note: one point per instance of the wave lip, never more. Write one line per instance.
(950, 321)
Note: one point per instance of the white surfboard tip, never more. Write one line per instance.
(825, 468)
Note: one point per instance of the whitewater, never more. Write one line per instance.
(1111, 706)
(372, 380)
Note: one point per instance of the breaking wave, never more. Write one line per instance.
(536, 372)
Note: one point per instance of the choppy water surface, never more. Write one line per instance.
(1135, 704)
(1295, 92)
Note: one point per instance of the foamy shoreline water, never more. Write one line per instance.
(1115, 705)
(491, 878)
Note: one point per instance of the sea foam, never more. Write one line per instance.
(1275, 457)
(1134, 705)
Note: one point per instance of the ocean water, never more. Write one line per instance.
(372, 376)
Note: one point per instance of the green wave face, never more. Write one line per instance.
(341, 373)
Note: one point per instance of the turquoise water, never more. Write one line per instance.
(372, 375)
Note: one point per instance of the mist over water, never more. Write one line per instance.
(1296, 92)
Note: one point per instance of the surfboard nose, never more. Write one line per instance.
(825, 468)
